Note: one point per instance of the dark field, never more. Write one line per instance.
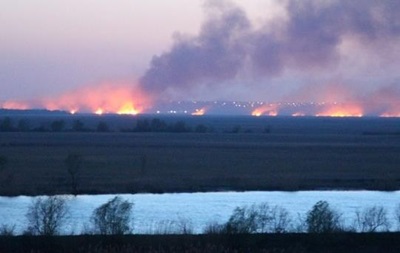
(293, 154)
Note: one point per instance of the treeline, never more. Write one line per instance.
(321, 218)
(48, 215)
(7, 124)
(141, 125)
(159, 125)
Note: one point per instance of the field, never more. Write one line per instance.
(239, 153)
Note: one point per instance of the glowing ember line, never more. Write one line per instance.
(99, 111)
(199, 112)
(269, 110)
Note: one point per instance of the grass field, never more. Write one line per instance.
(297, 155)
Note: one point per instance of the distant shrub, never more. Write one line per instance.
(201, 129)
(57, 125)
(158, 125)
(179, 127)
(7, 125)
(102, 127)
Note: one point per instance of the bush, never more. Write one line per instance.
(6, 230)
(113, 217)
(46, 215)
(260, 218)
(323, 219)
(242, 221)
(214, 228)
(372, 219)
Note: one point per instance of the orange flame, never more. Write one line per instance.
(199, 112)
(106, 98)
(128, 109)
(269, 110)
(341, 110)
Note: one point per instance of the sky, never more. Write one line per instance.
(253, 50)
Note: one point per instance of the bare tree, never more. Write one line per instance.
(113, 217)
(397, 216)
(46, 215)
(73, 163)
(372, 219)
(323, 219)
(272, 219)
(280, 220)
(261, 218)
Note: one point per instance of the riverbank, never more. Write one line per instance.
(284, 243)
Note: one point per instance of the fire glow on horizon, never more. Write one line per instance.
(199, 112)
(126, 99)
(120, 99)
(325, 110)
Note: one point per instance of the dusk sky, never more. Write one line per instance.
(249, 50)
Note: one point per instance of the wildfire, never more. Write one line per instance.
(120, 98)
(106, 98)
(269, 110)
(199, 112)
(341, 110)
(128, 109)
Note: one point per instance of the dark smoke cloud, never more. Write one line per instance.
(309, 39)
(215, 54)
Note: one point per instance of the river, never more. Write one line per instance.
(162, 212)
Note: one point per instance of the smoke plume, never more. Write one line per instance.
(316, 39)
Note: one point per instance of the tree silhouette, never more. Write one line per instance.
(323, 219)
(46, 215)
(74, 164)
(113, 217)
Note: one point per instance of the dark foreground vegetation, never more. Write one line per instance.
(254, 243)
